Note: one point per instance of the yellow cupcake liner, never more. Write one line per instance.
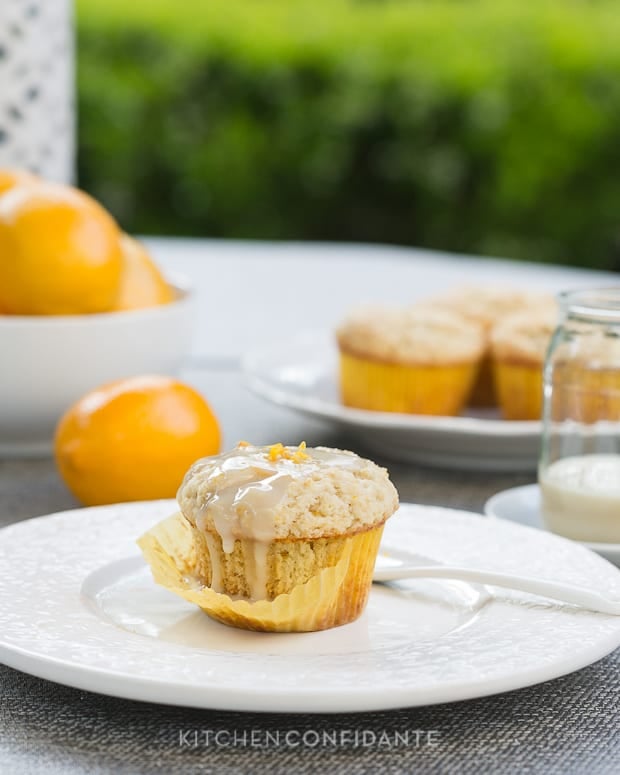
(336, 595)
(519, 390)
(390, 387)
(581, 394)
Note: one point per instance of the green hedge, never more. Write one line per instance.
(486, 127)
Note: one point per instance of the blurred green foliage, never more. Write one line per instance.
(476, 126)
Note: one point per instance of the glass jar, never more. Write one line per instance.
(579, 472)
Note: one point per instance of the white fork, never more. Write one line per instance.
(417, 567)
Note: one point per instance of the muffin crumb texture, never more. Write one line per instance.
(524, 337)
(277, 493)
(410, 335)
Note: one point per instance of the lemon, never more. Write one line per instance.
(142, 284)
(60, 252)
(9, 178)
(134, 439)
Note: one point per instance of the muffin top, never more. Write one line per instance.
(275, 493)
(487, 305)
(524, 337)
(420, 335)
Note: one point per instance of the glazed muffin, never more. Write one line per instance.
(488, 306)
(275, 538)
(518, 348)
(417, 360)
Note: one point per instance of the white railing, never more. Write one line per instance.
(37, 87)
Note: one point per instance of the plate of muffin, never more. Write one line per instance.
(453, 380)
(254, 590)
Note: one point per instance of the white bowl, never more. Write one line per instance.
(48, 362)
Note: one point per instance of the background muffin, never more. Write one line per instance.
(488, 306)
(518, 348)
(417, 360)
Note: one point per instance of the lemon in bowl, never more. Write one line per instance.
(60, 252)
(75, 309)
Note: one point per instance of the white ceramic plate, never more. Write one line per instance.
(522, 505)
(301, 374)
(78, 606)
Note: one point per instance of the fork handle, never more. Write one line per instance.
(566, 593)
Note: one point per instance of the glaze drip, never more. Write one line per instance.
(246, 487)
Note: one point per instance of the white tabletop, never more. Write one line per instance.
(250, 293)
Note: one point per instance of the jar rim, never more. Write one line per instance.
(599, 303)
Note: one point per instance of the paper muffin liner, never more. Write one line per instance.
(335, 596)
(419, 389)
(585, 395)
(519, 390)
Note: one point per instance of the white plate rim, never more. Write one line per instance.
(314, 699)
(490, 509)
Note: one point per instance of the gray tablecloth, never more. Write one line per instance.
(569, 725)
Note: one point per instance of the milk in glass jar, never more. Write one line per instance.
(579, 471)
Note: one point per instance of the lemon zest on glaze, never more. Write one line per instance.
(280, 452)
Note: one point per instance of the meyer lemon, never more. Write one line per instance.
(134, 439)
(9, 178)
(142, 284)
(60, 252)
